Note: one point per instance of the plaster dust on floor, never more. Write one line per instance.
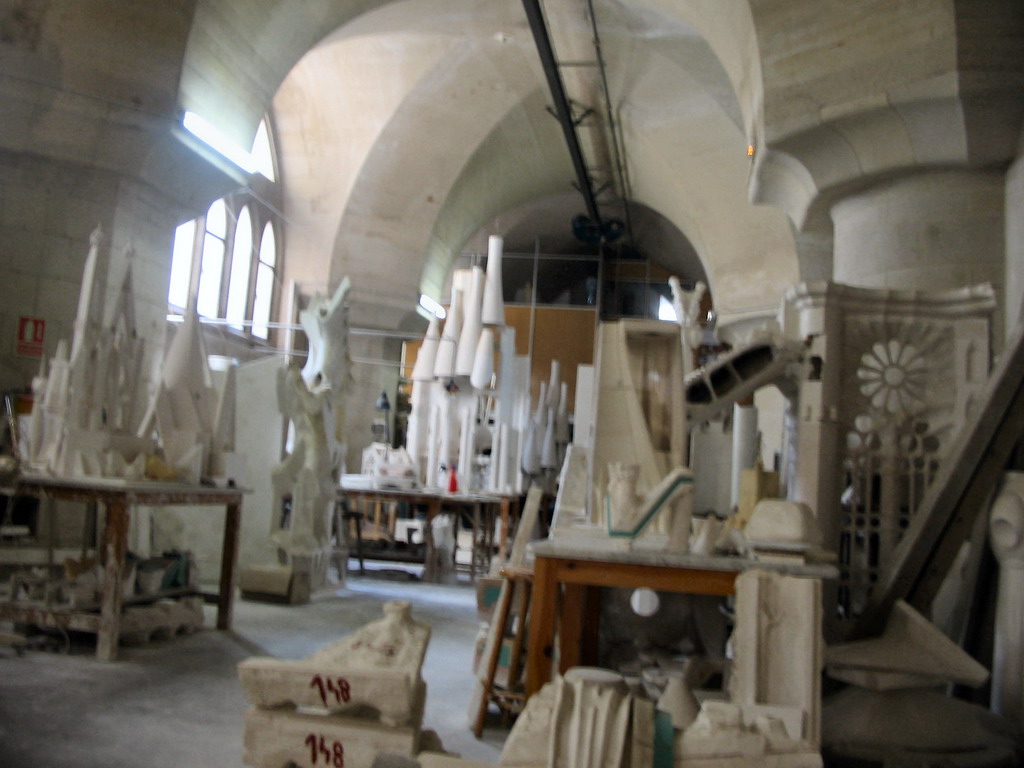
(178, 703)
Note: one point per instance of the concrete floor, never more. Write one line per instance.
(177, 703)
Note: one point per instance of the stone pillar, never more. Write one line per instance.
(930, 231)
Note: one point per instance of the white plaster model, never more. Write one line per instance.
(678, 701)
(778, 647)
(379, 666)
(1006, 530)
(687, 308)
(304, 475)
(469, 335)
(88, 416)
(493, 310)
(910, 653)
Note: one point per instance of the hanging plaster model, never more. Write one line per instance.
(353, 699)
(86, 419)
(469, 420)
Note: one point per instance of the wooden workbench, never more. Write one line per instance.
(567, 578)
(117, 497)
(486, 509)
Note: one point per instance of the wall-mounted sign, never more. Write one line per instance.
(31, 331)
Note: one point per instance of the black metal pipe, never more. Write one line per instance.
(542, 41)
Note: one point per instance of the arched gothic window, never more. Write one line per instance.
(227, 259)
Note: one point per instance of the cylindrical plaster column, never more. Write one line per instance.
(744, 446)
(930, 231)
(1006, 530)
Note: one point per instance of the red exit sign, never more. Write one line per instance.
(31, 333)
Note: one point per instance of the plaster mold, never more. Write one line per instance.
(377, 667)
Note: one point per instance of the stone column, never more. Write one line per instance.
(929, 231)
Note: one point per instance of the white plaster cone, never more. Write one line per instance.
(554, 386)
(679, 702)
(423, 370)
(548, 449)
(444, 363)
(470, 334)
(483, 361)
(493, 310)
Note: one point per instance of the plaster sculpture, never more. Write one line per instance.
(328, 369)
(1006, 529)
(778, 648)
(304, 475)
(628, 513)
(87, 415)
(378, 667)
(493, 310)
(893, 713)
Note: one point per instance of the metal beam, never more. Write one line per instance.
(563, 112)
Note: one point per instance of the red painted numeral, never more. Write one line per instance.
(338, 688)
(333, 755)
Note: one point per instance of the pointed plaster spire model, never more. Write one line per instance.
(483, 362)
(470, 333)
(493, 310)
(444, 364)
(423, 370)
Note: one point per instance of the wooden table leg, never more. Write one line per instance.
(503, 536)
(228, 561)
(570, 626)
(430, 567)
(114, 546)
(540, 641)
